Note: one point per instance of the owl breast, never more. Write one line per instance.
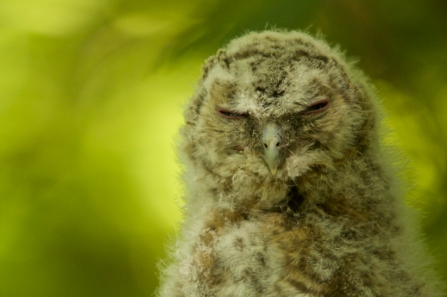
(247, 258)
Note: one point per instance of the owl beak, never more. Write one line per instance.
(272, 138)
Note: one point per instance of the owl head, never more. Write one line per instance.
(276, 106)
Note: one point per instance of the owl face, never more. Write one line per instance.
(276, 111)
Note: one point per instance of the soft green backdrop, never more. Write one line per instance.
(91, 96)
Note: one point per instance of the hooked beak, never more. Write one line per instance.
(272, 138)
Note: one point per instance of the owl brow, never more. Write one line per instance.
(300, 104)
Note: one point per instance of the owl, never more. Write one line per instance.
(289, 191)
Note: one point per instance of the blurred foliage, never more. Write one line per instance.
(91, 95)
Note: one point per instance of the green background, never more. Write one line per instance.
(91, 98)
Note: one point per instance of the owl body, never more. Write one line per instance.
(289, 192)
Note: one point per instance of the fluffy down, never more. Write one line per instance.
(289, 192)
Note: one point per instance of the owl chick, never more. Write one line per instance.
(289, 192)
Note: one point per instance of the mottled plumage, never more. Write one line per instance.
(289, 192)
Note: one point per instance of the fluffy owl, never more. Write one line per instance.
(289, 192)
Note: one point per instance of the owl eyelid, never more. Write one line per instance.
(231, 114)
(316, 107)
